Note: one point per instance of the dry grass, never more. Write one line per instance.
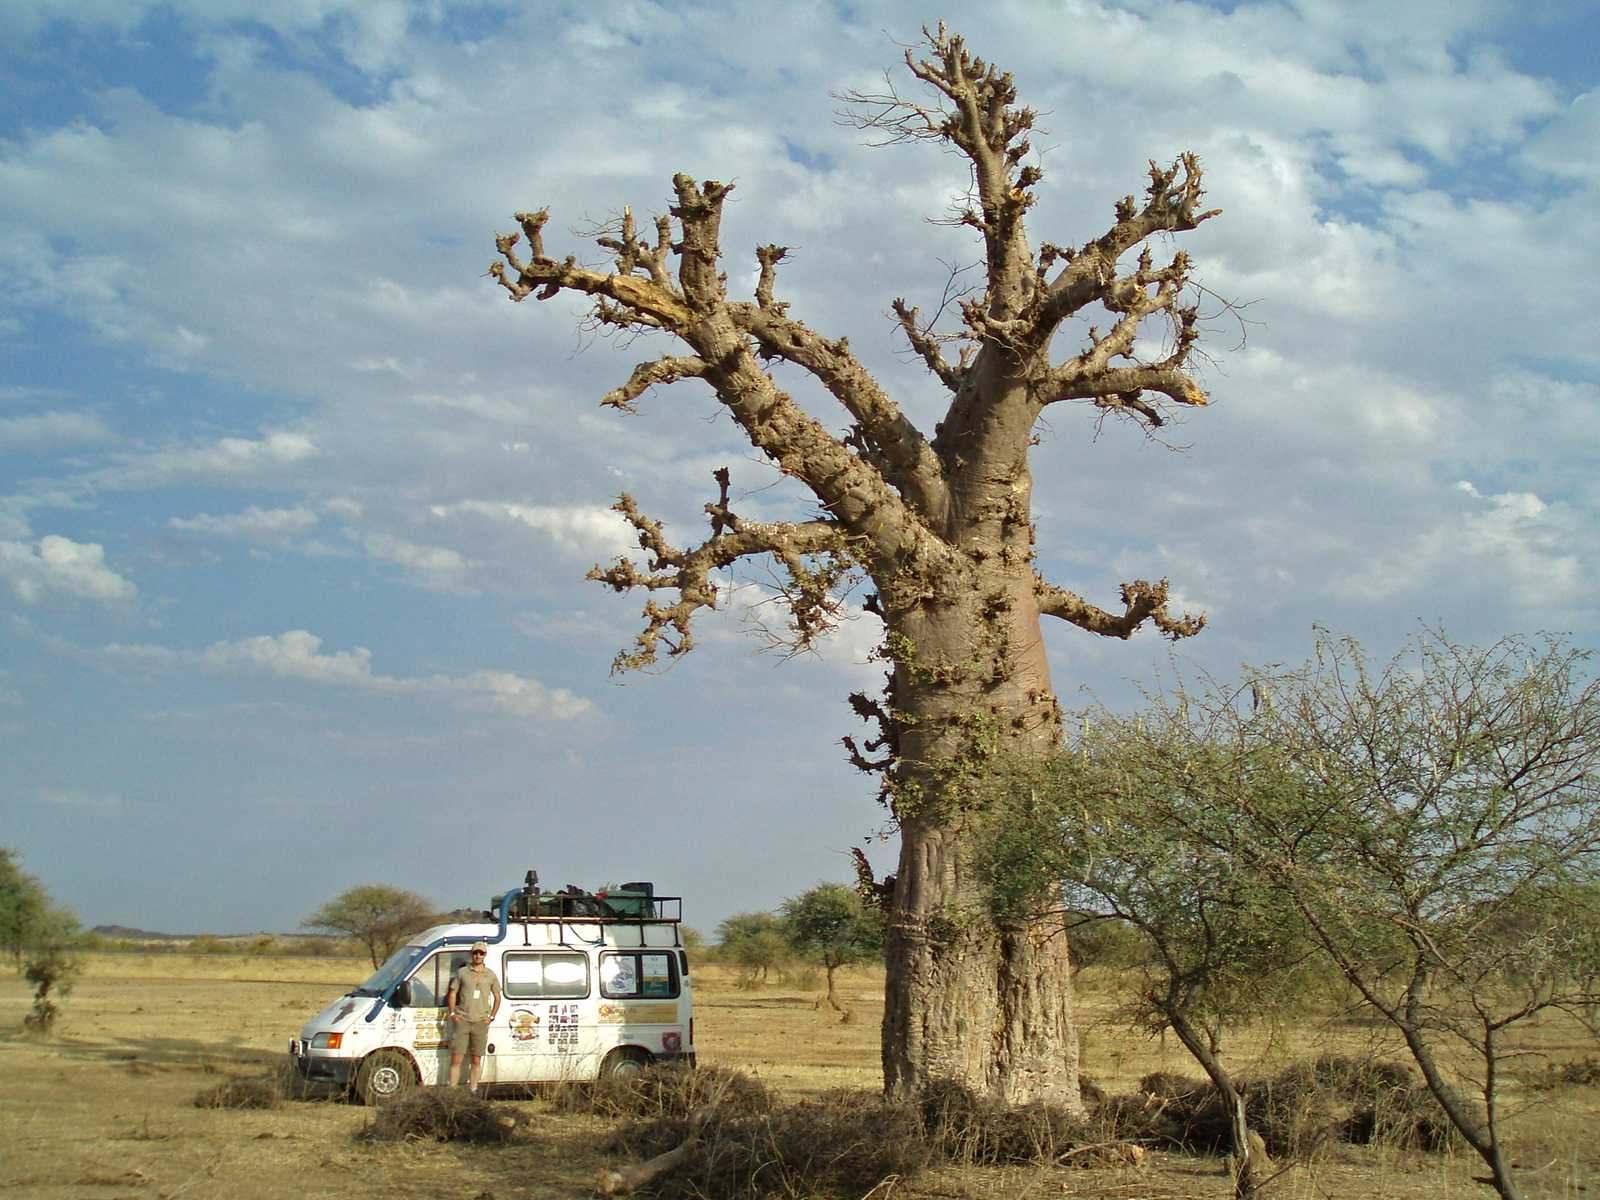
(106, 1110)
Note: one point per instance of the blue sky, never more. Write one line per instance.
(295, 507)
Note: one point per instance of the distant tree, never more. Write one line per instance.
(23, 903)
(754, 940)
(51, 964)
(694, 942)
(831, 924)
(380, 917)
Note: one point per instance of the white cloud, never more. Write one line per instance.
(57, 567)
(433, 568)
(230, 460)
(297, 655)
(583, 529)
(51, 431)
(277, 526)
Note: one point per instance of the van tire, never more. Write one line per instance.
(384, 1076)
(626, 1062)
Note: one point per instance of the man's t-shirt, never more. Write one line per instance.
(477, 989)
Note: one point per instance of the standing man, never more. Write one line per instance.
(473, 1000)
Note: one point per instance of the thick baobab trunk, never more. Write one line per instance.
(988, 1007)
(966, 1000)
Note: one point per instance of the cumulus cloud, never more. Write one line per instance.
(586, 529)
(435, 568)
(277, 526)
(55, 567)
(50, 431)
(275, 271)
(231, 460)
(297, 655)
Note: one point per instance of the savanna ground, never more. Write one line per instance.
(105, 1109)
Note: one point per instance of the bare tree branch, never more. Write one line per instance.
(815, 555)
(648, 374)
(1142, 600)
(879, 419)
(928, 347)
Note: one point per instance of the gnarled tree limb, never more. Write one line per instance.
(815, 555)
(1142, 601)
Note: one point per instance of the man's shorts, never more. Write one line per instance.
(470, 1037)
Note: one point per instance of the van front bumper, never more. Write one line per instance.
(318, 1069)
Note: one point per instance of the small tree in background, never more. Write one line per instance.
(756, 941)
(51, 965)
(41, 938)
(830, 924)
(378, 916)
(23, 901)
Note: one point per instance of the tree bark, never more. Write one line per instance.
(966, 999)
(1249, 1151)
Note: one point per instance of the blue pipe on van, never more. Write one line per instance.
(505, 913)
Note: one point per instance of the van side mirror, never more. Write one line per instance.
(401, 996)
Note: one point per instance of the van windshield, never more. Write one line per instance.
(399, 963)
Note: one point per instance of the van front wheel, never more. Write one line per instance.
(628, 1062)
(384, 1076)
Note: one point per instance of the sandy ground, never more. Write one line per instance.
(105, 1109)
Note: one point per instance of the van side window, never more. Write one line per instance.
(545, 976)
(431, 980)
(639, 975)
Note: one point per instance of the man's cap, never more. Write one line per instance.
(484, 946)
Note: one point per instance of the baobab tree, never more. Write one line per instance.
(939, 527)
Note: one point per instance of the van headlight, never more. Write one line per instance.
(327, 1041)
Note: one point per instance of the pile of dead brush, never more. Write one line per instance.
(441, 1115)
(960, 1126)
(666, 1091)
(1357, 1101)
(263, 1092)
(843, 1144)
(723, 1139)
(694, 1146)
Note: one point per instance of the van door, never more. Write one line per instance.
(546, 995)
(640, 1001)
(429, 1029)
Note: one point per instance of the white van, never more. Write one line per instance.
(595, 984)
